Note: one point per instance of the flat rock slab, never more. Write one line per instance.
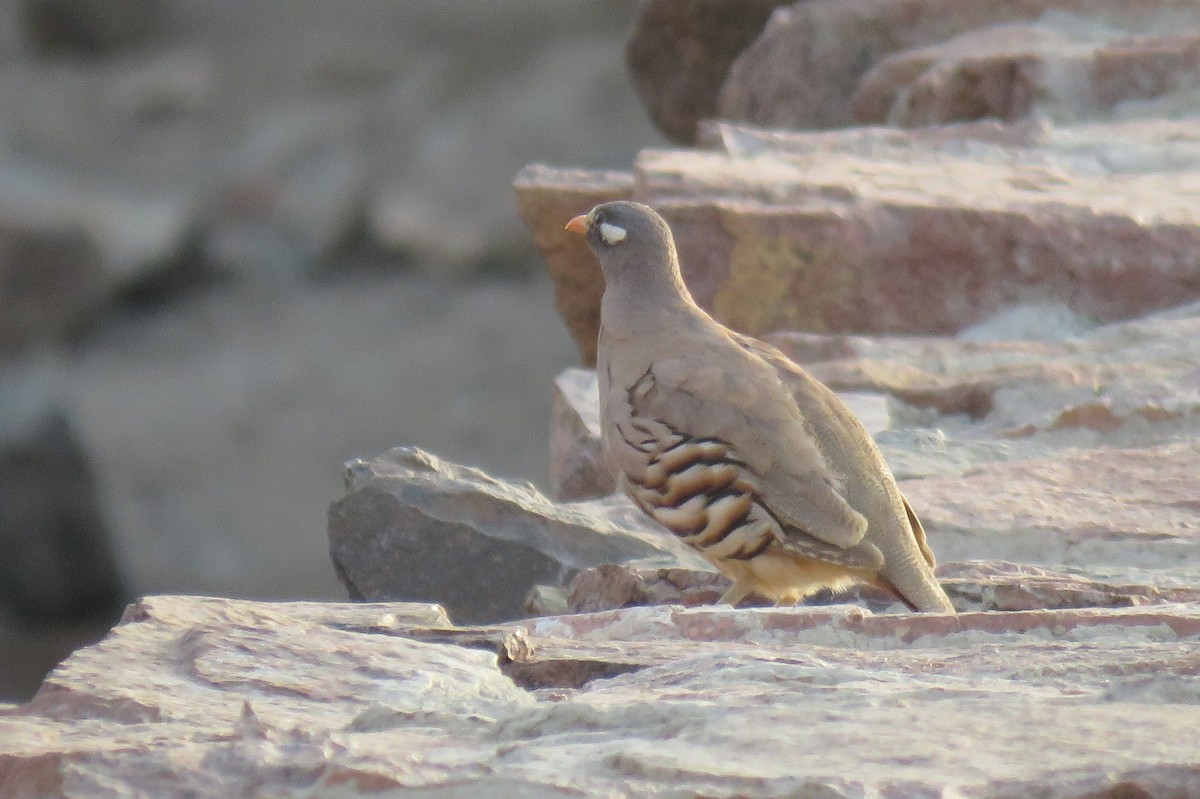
(216, 698)
(1126, 384)
(1136, 507)
(971, 585)
(888, 231)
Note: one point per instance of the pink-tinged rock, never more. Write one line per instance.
(838, 43)
(930, 231)
(1009, 72)
(622, 585)
(1122, 384)
(546, 199)
(1132, 507)
(206, 698)
(679, 52)
(972, 586)
(993, 72)
(1000, 585)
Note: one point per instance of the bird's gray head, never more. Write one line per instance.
(629, 239)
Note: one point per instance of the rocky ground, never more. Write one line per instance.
(213, 697)
(998, 274)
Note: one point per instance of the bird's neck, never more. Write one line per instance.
(636, 308)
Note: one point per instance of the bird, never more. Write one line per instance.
(729, 445)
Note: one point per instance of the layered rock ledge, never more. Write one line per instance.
(216, 698)
(877, 230)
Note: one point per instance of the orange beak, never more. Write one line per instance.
(578, 225)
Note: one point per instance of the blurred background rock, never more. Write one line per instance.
(241, 243)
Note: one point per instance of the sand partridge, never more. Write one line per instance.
(732, 447)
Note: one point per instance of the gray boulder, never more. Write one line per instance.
(414, 527)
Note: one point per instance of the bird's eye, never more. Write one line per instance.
(612, 234)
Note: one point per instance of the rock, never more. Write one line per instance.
(1040, 321)
(622, 585)
(89, 27)
(58, 565)
(1000, 585)
(51, 282)
(930, 231)
(1009, 72)
(546, 199)
(840, 43)
(988, 73)
(1125, 384)
(1130, 507)
(545, 600)
(972, 585)
(214, 697)
(360, 128)
(577, 467)
(412, 526)
(60, 584)
(679, 52)
(28, 651)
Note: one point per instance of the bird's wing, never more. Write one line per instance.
(749, 413)
(784, 365)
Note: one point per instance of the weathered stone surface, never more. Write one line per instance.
(1009, 72)
(216, 698)
(930, 231)
(679, 52)
(972, 586)
(60, 582)
(414, 527)
(622, 585)
(215, 420)
(577, 467)
(58, 563)
(839, 43)
(1125, 384)
(1132, 507)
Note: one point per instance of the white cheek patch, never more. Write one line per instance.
(612, 234)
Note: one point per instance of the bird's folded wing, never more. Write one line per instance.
(755, 417)
(863, 555)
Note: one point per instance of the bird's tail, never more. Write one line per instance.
(915, 583)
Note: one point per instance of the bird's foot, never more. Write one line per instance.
(736, 593)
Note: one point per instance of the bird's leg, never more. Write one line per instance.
(736, 593)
